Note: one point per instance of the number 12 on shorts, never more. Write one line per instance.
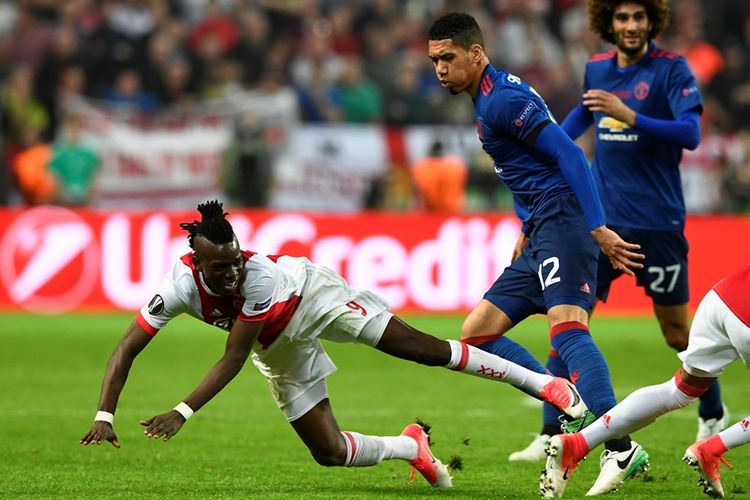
(554, 264)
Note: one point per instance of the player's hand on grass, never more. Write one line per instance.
(163, 426)
(99, 433)
(622, 255)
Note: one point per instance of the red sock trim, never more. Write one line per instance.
(464, 357)
(564, 327)
(352, 448)
(477, 341)
(553, 353)
(580, 446)
(685, 388)
(715, 445)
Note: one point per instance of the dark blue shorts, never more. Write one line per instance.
(558, 265)
(665, 272)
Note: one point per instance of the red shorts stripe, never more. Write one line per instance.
(685, 388)
(566, 326)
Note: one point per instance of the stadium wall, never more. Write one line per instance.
(54, 259)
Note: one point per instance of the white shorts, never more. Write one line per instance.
(296, 363)
(717, 338)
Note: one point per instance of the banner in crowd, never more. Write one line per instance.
(53, 259)
(178, 157)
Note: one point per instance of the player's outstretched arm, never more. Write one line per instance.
(239, 344)
(623, 255)
(130, 345)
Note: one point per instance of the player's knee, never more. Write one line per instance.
(330, 455)
(676, 337)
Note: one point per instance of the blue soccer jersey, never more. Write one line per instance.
(508, 112)
(638, 172)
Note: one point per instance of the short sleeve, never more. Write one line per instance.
(168, 302)
(258, 287)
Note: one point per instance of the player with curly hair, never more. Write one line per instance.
(645, 106)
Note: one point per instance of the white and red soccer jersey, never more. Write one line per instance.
(734, 291)
(270, 290)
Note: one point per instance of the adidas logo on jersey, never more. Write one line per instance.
(585, 288)
(216, 313)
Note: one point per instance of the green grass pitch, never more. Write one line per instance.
(240, 446)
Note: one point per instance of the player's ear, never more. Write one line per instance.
(196, 261)
(476, 53)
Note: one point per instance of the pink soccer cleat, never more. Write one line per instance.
(561, 462)
(563, 395)
(432, 469)
(708, 465)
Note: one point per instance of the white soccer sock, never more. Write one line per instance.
(736, 434)
(637, 410)
(469, 359)
(362, 450)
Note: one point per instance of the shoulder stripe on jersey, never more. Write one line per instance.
(486, 85)
(276, 318)
(663, 53)
(603, 56)
(144, 324)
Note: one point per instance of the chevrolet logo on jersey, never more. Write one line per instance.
(615, 127)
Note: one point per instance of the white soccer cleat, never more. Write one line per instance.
(534, 452)
(708, 466)
(559, 467)
(711, 426)
(432, 469)
(617, 466)
(563, 395)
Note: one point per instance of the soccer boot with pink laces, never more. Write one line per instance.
(708, 465)
(433, 470)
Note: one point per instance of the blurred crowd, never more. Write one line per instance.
(358, 61)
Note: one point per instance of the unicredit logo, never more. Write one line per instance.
(37, 254)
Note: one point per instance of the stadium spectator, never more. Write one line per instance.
(404, 101)
(279, 307)
(554, 261)
(31, 38)
(153, 39)
(358, 97)
(128, 93)
(440, 180)
(255, 41)
(719, 335)
(64, 54)
(646, 106)
(31, 169)
(74, 164)
(22, 111)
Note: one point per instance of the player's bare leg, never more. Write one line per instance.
(329, 446)
(405, 342)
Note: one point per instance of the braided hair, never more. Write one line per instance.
(213, 224)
